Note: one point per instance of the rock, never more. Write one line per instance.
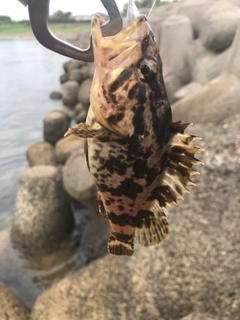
(79, 108)
(200, 316)
(91, 68)
(172, 84)
(95, 238)
(73, 65)
(41, 153)
(78, 182)
(198, 60)
(194, 10)
(84, 93)
(70, 93)
(176, 35)
(56, 95)
(63, 78)
(232, 64)
(195, 268)
(10, 306)
(42, 217)
(216, 101)
(66, 146)
(218, 26)
(77, 75)
(81, 113)
(56, 124)
(190, 88)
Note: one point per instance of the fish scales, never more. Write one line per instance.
(139, 159)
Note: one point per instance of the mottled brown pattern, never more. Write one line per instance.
(139, 159)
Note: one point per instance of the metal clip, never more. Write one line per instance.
(38, 14)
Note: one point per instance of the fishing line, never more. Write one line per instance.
(154, 2)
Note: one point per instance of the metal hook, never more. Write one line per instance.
(38, 14)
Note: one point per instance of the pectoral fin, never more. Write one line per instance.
(83, 130)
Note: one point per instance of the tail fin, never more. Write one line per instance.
(120, 244)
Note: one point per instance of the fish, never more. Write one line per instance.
(141, 161)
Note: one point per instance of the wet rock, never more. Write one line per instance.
(11, 307)
(218, 26)
(41, 153)
(95, 238)
(63, 78)
(70, 93)
(56, 123)
(217, 100)
(195, 268)
(84, 93)
(176, 35)
(200, 316)
(66, 146)
(56, 95)
(78, 182)
(42, 217)
(190, 88)
(232, 64)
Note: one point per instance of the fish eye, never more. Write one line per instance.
(145, 70)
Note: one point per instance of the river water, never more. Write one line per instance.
(28, 73)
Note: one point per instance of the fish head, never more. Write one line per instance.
(128, 77)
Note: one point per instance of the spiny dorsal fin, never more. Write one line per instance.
(154, 229)
(179, 167)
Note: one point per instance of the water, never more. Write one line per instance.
(29, 72)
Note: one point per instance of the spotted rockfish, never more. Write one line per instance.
(140, 160)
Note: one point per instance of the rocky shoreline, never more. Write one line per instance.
(194, 274)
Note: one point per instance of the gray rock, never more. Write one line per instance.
(194, 10)
(216, 101)
(78, 182)
(56, 95)
(176, 35)
(70, 93)
(79, 108)
(200, 316)
(42, 217)
(11, 308)
(190, 88)
(95, 238)
(56, 123)
(41, 153)
(232, 64)
(77, 75)
(196, 268)
(84, 92)
(73, 65)
(172, 84)
(218, 26)
(81, 112)
(63, 78)
(67, 146)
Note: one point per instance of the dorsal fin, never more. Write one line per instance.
(154, 228)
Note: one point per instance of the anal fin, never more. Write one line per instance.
(119, 247)
(154, 227)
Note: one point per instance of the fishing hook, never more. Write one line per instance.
(38, 14)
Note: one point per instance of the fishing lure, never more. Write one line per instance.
(139, 159)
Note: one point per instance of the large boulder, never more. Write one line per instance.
(78, 182)
(42, 217)
(176, 35)
(200, 316)
(67, 146)
(232, 64)
(55, 125)
(69, 93)
(219, 25)
(196, 268)
(214, 102)
(84, 92)
(11, 308)
(41, 153)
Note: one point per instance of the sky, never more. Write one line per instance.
(17, 11)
